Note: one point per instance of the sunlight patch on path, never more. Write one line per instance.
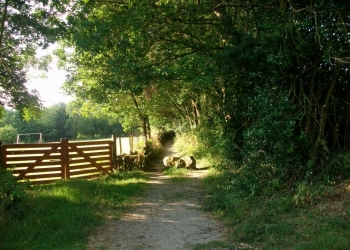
(167, 216)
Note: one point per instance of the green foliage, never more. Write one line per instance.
(11, 194)
(8, 134)
(307, 194)
(273, 149)
(209, 142)
(163, 80)
(277, 222)
(186, 143)
(176, 174)
(61, 121)
(261, 86)
(335, 168)
(152, 148)
(63, 215)
(24, 26)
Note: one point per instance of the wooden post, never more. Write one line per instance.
(131, 142)
(120, 145)
(111, 162)
(64, 159)
(1, 156)
(114, 151)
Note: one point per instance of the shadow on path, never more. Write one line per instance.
(167, 216)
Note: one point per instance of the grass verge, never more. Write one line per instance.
(176, 174)
(276, 222)
(63, 214)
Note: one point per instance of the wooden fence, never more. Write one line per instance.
(49, 162)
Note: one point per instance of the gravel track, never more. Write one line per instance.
(167, 216)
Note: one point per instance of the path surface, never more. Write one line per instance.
(167, 216)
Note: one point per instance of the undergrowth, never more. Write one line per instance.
(63, 214)
(187, 144)
(307, 218)
(154, 148)
(11, 194)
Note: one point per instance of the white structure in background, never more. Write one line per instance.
(127, 144)
(39, 141)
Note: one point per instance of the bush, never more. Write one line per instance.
(336, 167)
(8, 134)
(272, 149)
(11, 192)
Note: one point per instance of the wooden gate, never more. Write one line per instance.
(49, 162)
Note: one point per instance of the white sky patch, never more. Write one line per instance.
(49, 83)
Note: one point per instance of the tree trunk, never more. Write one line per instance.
(324, 108)
(143, 118)
(196, 114)
(148, 127)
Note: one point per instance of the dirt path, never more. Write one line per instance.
(167, 216)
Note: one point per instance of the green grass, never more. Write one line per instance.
(63, 214)
(176, 174)
(213, 245)
(276, 222)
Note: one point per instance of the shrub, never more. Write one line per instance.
(11, 192)
(8, 134)
(273, 149)
(336, 168)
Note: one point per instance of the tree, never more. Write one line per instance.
(264, 80)
(8, 134)
(282, 54)
(88, 120)
(162, 56)
(24, 25)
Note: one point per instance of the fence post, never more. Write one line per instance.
(120, 145)
(114, 151)
(131, 143)
(2, 165)
(64, 159)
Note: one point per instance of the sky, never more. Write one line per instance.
(49, 87)
(48, 83)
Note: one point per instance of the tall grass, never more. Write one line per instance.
(277, 222)
(63, 214)
(187, 144)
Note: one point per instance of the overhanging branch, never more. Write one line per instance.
(240, 5)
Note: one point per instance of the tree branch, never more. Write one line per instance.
(240, 5)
